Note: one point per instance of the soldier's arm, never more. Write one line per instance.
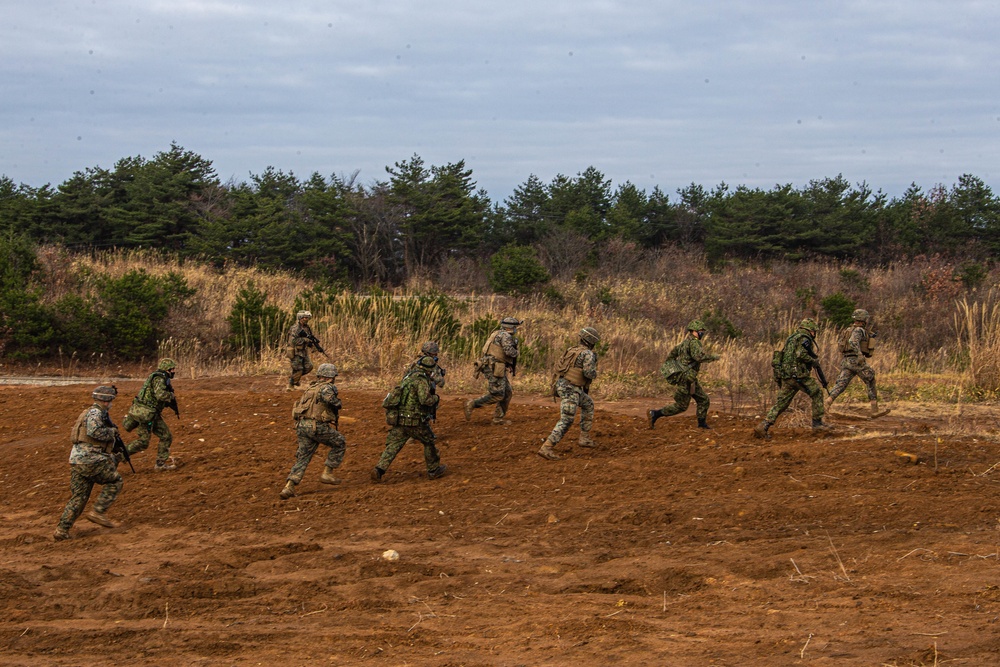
(98, 429)
(426, 395)
(854, 341)
(699, 354)
(160, 391)
(589, 364)
(509, 345)
(328, 395)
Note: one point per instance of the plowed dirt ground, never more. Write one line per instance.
(676, 546)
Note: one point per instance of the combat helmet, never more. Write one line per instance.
(430, 347)
(327, 371)
(104, 393)
(696, 325)
(809, 324)
(166, 364)
(510, 322)
(860, 315)
(590, 336)
(303, 314)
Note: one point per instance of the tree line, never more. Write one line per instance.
(338, 230)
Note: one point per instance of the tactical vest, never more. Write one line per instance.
(411, 412)
(146, 396)
(791, 367)
(867, 343)
(79, 434)
(310, 407)
(570, 367)
(495, 349)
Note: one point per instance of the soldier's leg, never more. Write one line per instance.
(785, 395)
(586, 420)
(431, 457)
(307, 445)
(394, 441)
(108, 475)
(495, 392)
(815, 392)
(141, 442)
(298, 369)
(682, 399)
(867, 375)
(567, 411)
(504, 404)
(162, 431)
(846, 375)
(80, 486)
(333, 438)
(307, 364)
(701, 402)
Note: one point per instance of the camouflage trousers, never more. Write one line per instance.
(849, 367)
(144, 431)
(573, 398)
(311, 434)
(301, 365)
(499, 392)
(82, 477)
(787, 392)
(682, 399)
(397, 437)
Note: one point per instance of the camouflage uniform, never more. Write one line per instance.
(854, 363)
(499, 359)
(417, 407)
(156, 394)
(797, 362)
(430, 349)
(317, 425)
(690, 354)
(91, 461)
(299, 341)
(573, 388)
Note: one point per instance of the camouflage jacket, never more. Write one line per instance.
(690, 354)
(299, 339)
(99, 427)
(419, 400)
(437, 373)
(852, 346)
(157, 392)
(799, 356)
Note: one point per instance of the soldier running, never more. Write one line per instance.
(499, 358)
(798, 358)
(575, 371)
(856, 346)
(689, 355)
(317, 414)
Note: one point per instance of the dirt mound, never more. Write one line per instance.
(673, 546)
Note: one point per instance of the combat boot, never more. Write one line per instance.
(878, 413)
(101, 519)
(761, 430)
(60, 534)
(652, 416)
(437, 472)
(327, 476)
(819, 425)
(376, 475)
(470, 405)
(586, 440)
(165, 465)
(288, 491)
(546, 452)
(703, 423)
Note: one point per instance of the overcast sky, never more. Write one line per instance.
(662, 92)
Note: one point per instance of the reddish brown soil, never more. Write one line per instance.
(668, 547)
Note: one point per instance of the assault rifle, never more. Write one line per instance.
(822, 378)
(315, 343)
(173, 401)
(119, 446)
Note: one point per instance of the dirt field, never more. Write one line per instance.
(669, 547)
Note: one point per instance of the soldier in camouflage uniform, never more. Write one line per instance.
(856, 346)
(157, 393)
(799, 357)
(690, 354)
(430, 349)
(300, 339)
(418, 404)
(499, 357)
(92, 461)
(575, 371)
(317, 413)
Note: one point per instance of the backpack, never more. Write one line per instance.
(867, 344)
(391, 403)
(776, 358)
(304, 404)
(673, 372)
(562, 367)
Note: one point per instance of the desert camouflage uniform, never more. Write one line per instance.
(575, 397)
(415, 412)
(311, 433)
(91, 464)
(157, 393)
(499, 391)
(796, 372)
(854, 363)
(298, 345)
(691, 355)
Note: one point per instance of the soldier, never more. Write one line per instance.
(798, 358)
(499, 357)
(430, 349)
(157, 393)
(856, 345)
(575, 371)
(417, 404)
(317, 415)
(689, 355)
(92, 461)
(300, 339)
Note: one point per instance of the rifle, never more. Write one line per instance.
(315, 343)
(173, 401)
(822, 378)
(119, 446)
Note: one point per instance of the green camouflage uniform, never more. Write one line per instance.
(797, 362)
(311, 433)
(499, 391)
(854, 363)
(691, 355)
(417, 407)
(156, 394)
(91, 464)
(575, 397)
(299, 342)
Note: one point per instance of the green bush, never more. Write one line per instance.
(25, 325)
(838, 309)
(515, 269)
(718, 324)
(135, 308)
(972, 274)
(253, 324)
(79, 326)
